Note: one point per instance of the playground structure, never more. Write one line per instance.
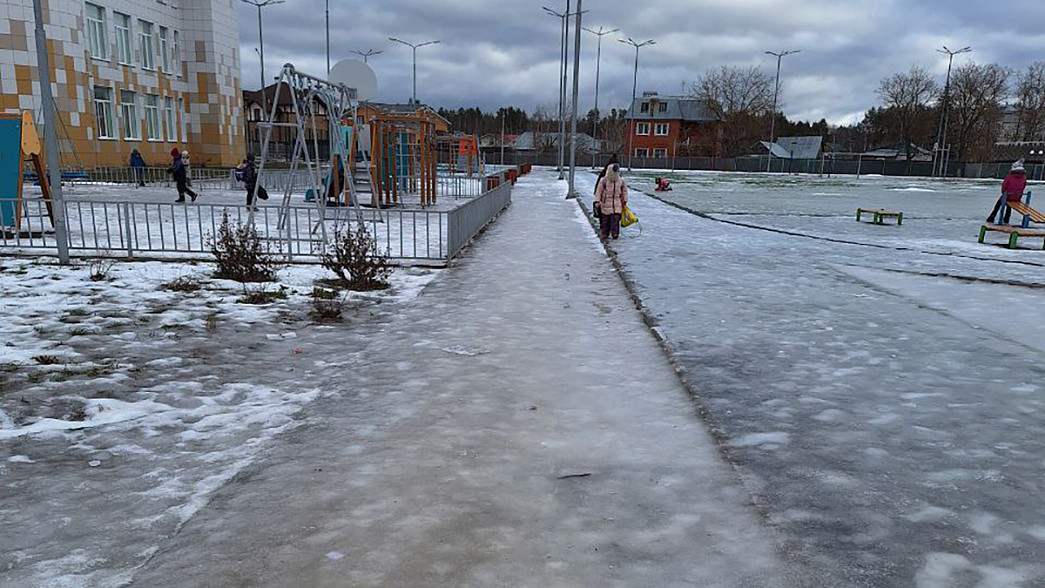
(1028, 215)
(401, 157)
(313, 98)
(19, 141)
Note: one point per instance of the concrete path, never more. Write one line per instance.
(517, 426)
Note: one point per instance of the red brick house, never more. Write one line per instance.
(662, 127)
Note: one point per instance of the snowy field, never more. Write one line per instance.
(880, 388)
(123, 392)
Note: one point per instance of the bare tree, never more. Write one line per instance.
(907, 96)
(1030, 103)
(740, 98)
(976, 92)
(543, 138)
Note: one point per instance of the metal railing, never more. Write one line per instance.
(204, 177)
(467, 220)
(170, 230)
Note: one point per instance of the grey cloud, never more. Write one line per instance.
(499, 53)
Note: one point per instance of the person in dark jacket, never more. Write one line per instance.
(138, 166)
(180, 176)
(1012, 188)
(248, 174)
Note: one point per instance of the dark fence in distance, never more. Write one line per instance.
(798, 166)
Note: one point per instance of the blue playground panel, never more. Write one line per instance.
(10, 169)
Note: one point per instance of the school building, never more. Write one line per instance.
(125, 74)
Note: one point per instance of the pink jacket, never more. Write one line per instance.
(611, 196)
(1013, 186)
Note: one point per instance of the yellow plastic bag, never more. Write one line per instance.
(627, 217)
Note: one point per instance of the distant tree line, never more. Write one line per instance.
(908, 116)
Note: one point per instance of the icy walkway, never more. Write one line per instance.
(517, 426)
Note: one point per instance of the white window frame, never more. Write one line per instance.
(657, 129)
(168, 120)
(642, 129)
(132, 124)
(152, 118)
(660, 153)
(165, 53)
(176, 54)
(97, 38)
(145, 45)
(124, 43)
(103, 115)
(184, 120)
(641, 152)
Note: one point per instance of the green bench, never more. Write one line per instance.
(879, 215)
(1013, 232)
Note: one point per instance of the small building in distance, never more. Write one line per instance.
(795, 147)
(534, 142)
(669, 126)
(130, 74)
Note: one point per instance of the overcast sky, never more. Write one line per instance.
(496, 53)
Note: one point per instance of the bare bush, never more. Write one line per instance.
(354, 258)
(241, 255)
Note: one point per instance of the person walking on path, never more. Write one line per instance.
(180, 176)
(248, 174)
(602, 174)
(611, 194)
(1012, 188)
(138, 166)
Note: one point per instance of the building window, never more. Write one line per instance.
(124, 48)
(663, 107)
(103, 112)
(661, 129)
(129, 112)
(177, 54)
(641, 152)
(660, 153)
(165, 54)
(145, 45)
(645, 107)
(168, 119)
(642, 128)
(96, 37)
(184, 116)
(152, 118)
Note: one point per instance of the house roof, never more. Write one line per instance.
(527, 141)
(898, 152)
(795, 147)
(675, 108)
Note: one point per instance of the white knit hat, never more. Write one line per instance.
(1018, 166)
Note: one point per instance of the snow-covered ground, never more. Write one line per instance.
(122, 392)
(879, 387)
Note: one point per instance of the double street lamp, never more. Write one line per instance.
(564, 36)
(634, 87)
(366, 55)
(598, 67)
(941, 135)
(776, 93)
(415, 47)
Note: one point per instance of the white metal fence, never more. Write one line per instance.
(170, 230)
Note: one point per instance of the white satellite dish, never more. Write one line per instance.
(355, 74)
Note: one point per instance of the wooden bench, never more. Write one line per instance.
(1013, 232)
(879, 215)
(1029, 214)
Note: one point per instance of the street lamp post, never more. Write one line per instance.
(43, 65)
(598, 67)
(366, 55)
(941, 135)
(776, 93)
(261, 42)
(415, 48)
(571, 193)
(563, 49)
(328, 36)
(634, 88)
